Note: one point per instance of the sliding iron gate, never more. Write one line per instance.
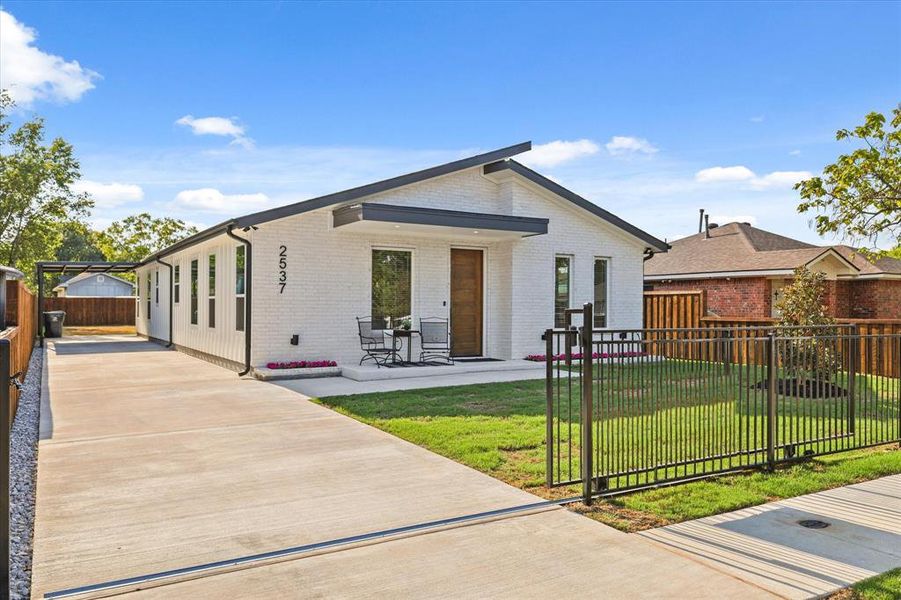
(630, 409)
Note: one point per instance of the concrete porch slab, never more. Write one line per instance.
(370, 372)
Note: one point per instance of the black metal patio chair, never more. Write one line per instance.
(373, 343)
(435, 339)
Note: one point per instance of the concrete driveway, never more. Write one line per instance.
(157, 461)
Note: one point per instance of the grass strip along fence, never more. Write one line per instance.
(660, 406)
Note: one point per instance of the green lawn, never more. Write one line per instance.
(499, 429)
(882, 587)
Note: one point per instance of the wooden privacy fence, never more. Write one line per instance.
(20, 331)
(81, 311)
(683, 315)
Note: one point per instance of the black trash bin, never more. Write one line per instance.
(53, 323)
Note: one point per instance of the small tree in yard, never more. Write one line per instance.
(802, 306)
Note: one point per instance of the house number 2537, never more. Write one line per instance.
(282, 268)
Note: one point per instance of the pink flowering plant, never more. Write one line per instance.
(578, 356)
(302, 364)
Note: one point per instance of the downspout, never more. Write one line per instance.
(248, 288)
(648, 254)
(171, 305)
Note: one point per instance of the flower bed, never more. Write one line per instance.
(578, 356)
(302, 364)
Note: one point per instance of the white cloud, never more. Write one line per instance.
(776, 179)
(723, 219)
(31, 74)
(720, 174)
(620, 145)
(224, 126)
(212, 200)
(109, 195)
(557, 152)
(758, 119)
(780, 179)
(795, 153)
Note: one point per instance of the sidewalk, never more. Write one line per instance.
(766, 546)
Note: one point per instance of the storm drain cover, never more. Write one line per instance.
(813, 524)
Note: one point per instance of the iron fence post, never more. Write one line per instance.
(549, 408)
(587, 397)
(854, 352)
(771, 374)
(5, 427)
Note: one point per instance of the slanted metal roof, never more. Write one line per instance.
(76, 267)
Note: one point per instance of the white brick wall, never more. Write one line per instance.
(328, 274)
(329, 271)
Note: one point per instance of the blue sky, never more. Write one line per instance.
(204, 111)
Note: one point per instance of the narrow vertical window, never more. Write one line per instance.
(240, 274)
(600, 291)
(211, 312)
(176, 284)
(156, 287)
(562, 276)
(149, 281)
(194, 274)
(137, 295)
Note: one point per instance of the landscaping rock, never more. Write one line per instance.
(23, 474)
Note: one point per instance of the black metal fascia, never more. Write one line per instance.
(559, 190)
(201, 236)
(171, 303)
(388, 213)
(248, 297)
(380, 186)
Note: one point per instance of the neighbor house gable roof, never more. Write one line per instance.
(735, 249)
(83, 276)
(559, 190)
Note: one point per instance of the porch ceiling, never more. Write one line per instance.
(391, 219)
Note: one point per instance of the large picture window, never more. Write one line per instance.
(194, 273)
(240, 273)
(392, 286)
(562, 281)
(211, 296)
(601, 278)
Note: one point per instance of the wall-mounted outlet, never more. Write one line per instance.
(295, 339)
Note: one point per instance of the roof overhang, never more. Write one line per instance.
(368, 217)
(720, 275)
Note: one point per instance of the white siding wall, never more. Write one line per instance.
(223, 340)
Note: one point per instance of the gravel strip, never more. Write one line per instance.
(23, 461)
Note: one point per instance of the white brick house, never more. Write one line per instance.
(488, 244)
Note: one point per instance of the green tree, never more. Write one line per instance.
(859, 196)
(79, 243)
(802, 308)
(137, 236)
(36, 196)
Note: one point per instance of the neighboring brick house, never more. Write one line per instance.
(743, 270)
(485, 242)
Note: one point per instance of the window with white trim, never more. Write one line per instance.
(240, 274)
(194, 275)
(601, 289)
(562, 285)
(211, 296)
(176, 284)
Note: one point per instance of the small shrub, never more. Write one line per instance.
(807, 355)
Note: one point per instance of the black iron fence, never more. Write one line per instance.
(631, 409)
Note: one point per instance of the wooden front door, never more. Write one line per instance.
(466, 302)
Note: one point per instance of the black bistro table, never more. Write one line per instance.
(408, 334)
